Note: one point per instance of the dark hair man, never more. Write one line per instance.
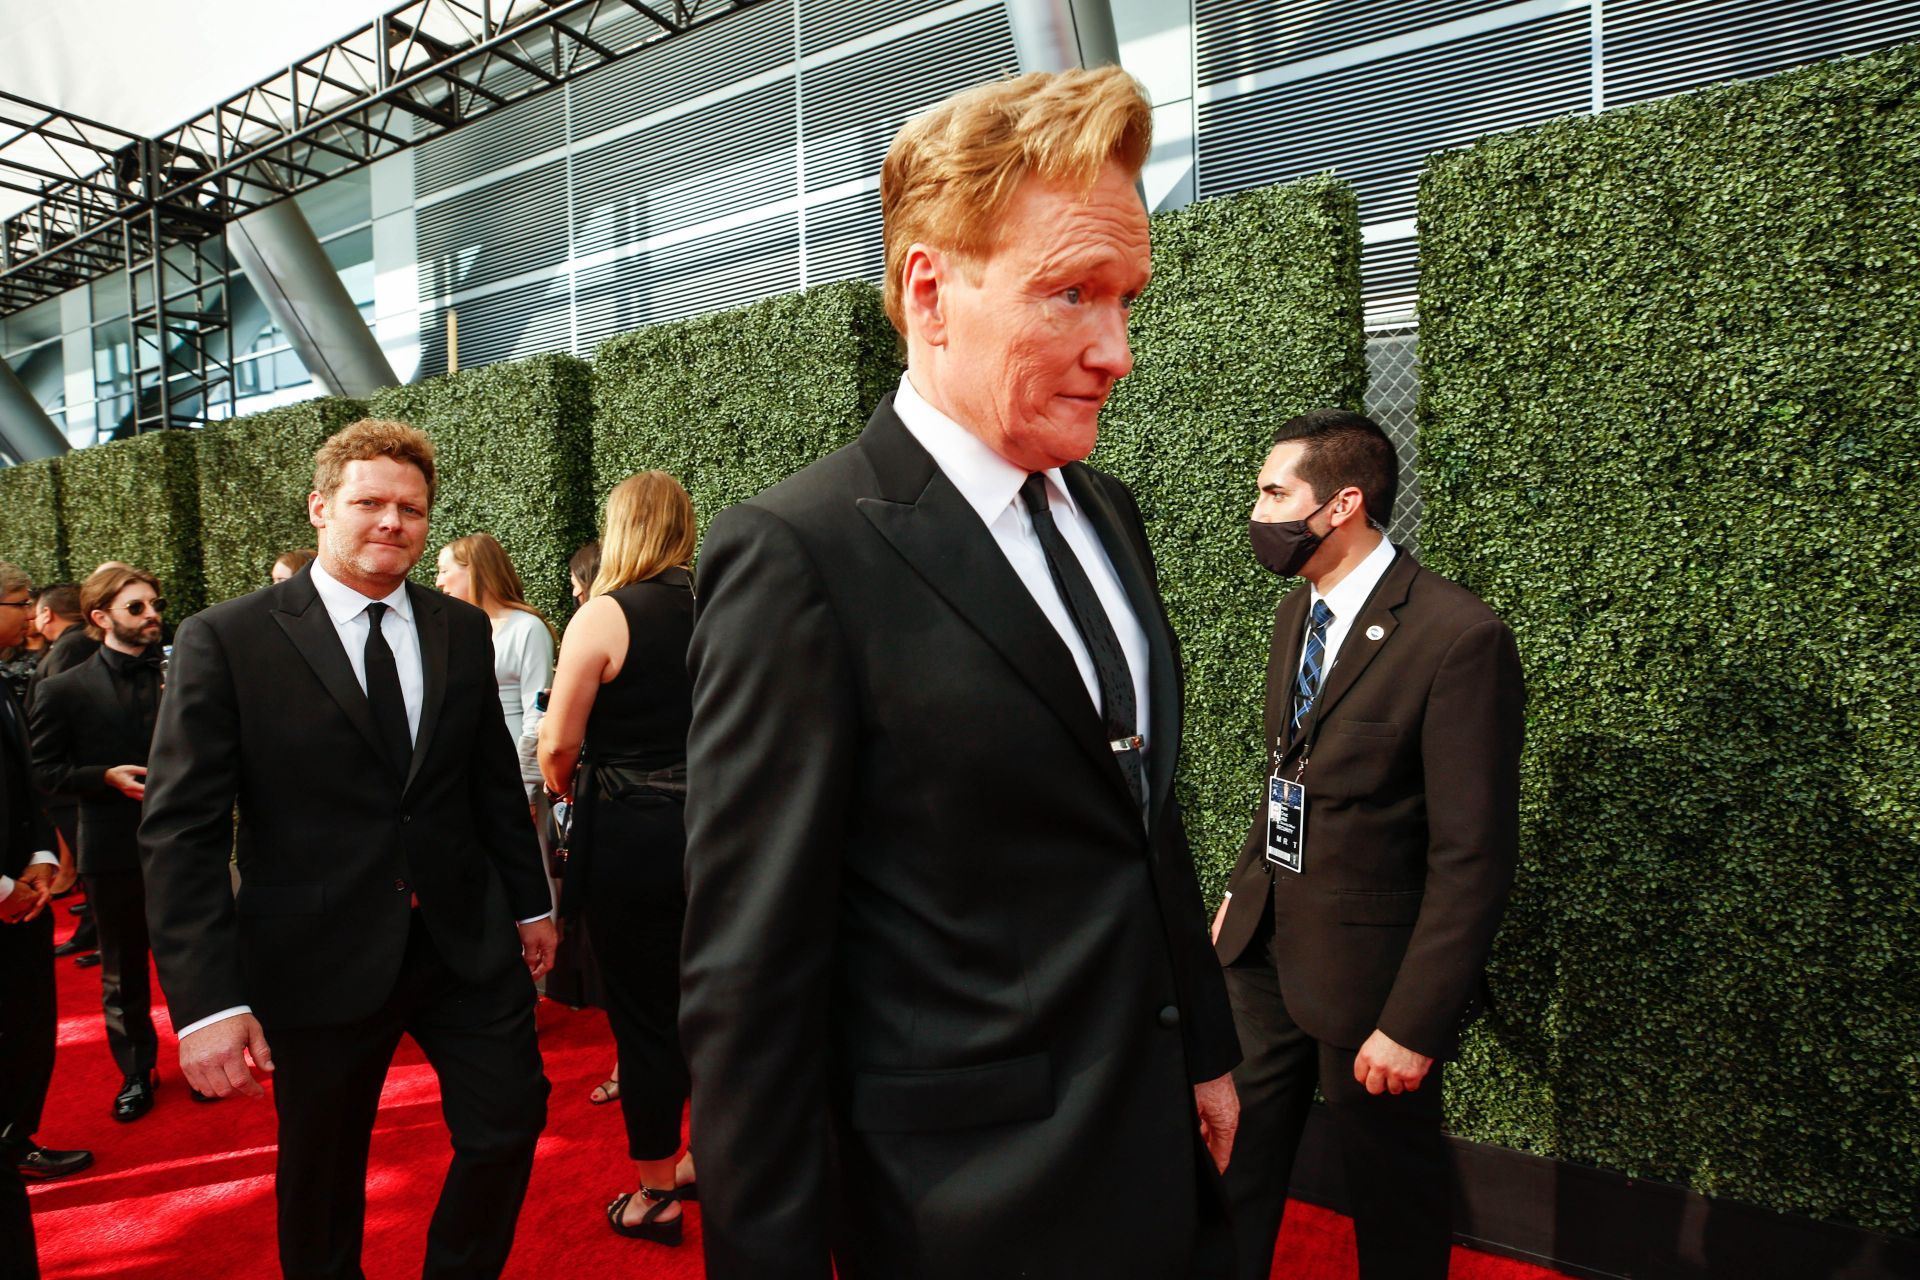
(92, 727)
(942, 920)
(1381, 852)
(385, 857)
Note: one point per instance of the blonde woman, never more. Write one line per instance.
(476, 569)
(621, 693)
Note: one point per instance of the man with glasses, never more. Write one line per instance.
(92, 727)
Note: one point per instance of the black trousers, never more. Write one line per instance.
(636, 909)
(1399, 1180)
(326, 1089)
(119, 901)
(26, 1069)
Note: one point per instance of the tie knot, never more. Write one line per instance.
(376, 611)
(1034, 492)
(1321, 614)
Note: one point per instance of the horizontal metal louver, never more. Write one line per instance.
(843, 240)
(1234, 38)
(1374, 124)
(687, 279)
(493, 233)
(510, 325)
(852, 107)
(826, 23)
(1389, 276)
(708, 164)
(491, 144)
(725, 52)
(1653, 48)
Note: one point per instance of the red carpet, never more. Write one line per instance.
(188, 1191)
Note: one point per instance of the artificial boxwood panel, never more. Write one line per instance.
(255, 474)
(1253, 316)
(137, 500)
(734, 402)
(511, 445)
(31, 536)
(1670, 429)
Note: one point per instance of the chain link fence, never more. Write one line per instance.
(1393, 387)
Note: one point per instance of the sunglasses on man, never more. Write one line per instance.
(135, 608)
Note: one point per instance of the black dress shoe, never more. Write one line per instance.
(37, 1162)
(81, 908)
(72, 947)
(135, 1098)
(87, 961)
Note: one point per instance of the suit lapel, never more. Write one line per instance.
(430, 618)
(1289, 632)
(306, 622)
(927, 521)
(1358, 649)
(1143, 593)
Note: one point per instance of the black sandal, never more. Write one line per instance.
(647, 1228)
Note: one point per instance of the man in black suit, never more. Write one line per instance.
(70, 643)
(92, 727)
(1377, 867)
(949, 1005)
(385, 858)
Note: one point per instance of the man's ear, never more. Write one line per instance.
(922, 275)
(316, 510)
(1348, 504)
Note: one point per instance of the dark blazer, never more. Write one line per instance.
(24, 829)
(1412, 828)
(262, 709)
(73, 647)
(80, 730)
(924, 916)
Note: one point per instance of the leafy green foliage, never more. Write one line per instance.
(255, 474)
(511, 445)
(1253, 316)
(1670, 429)
(137, 500)
(31, 535)
(734, 402)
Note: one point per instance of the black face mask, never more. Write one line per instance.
(1285, 546)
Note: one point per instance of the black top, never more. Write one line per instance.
(640, 717)
(136, 679)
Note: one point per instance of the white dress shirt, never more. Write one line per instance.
(991, 486)
(1346, 600)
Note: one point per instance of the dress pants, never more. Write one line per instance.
(636, 909)
(480, 1041)
(26, 1069)
(119, 901)
(1399, 1180)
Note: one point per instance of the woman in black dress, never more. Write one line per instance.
(615, 740)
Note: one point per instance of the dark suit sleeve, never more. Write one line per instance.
(55, 771)
(500, 811)
(771, 763)
(186, 829)
(1470, 745)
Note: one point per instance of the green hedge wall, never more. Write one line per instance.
(1253, 316)
(255, 474)
(1671, 430)
(733, 402)
(31, 535)
(137, 500)
(512, 446)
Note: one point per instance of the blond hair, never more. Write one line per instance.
(649, 527)
(367, 439)
(951, 174)
(493, 575)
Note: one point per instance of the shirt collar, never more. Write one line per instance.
(1352, 592)
(343, 603)
(986, 480)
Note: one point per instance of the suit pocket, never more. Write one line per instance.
(962, 1098)
(1379, 906)
(281, 899)
(1364, 728)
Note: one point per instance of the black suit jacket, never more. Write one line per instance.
(80, 730)
(262, 711)
(24, 829)
(1412, 828)
(924, 916)
(73, 647)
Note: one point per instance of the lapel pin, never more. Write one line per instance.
(1374, 633)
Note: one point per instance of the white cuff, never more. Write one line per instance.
(210, 1019)
(544, 915)
(6, 886)
(44, 858)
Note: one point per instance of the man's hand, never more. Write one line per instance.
(29, 896)
(1219, 1107)
(537, 944)
(214, 1058)
(129, 781)
(1385, 1067)
(1219, 918)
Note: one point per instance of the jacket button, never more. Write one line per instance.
(1170, 1017)
(406, 817)
(400, 886)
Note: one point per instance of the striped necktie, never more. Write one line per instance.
(1313, 663)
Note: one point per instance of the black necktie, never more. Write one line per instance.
(383, 692)
(1096, 631)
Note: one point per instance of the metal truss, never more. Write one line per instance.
(108, 198)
